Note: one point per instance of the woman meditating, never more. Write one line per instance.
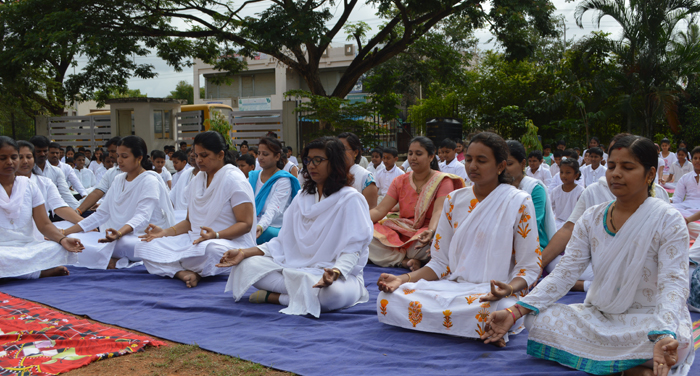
(316, 262)
(405, 241)
(517, 162)
(220, 216)
(363, 180)
(22, 256)
(484, 256)
(138, 197)
(634, 319)
(274, 189)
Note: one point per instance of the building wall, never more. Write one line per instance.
(84, 108)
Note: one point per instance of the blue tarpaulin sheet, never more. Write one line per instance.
(346, 342)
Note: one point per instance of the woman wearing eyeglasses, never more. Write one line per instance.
(315, 263)
(405, 241)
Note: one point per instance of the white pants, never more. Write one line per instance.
(341, 294)
(204, 265)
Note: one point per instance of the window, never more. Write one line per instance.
(161, 124)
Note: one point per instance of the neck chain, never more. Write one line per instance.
(612, 221)
(418, 190)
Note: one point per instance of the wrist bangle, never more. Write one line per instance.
(217, 235)
(519, 311)
(511, 292)
(659, 338)
(79, 211)
(337, 273)
(60, 240)
(174, 231)
(512, 314)
(409, 277)
(120, 234)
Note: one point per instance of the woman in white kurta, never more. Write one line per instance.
(22, 256)
(484, 256)
(220, 216)
(274, 189)
(634, 317)
(137, 198)
(316, 262)
(363, 180)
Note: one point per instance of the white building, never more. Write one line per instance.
(263, 85)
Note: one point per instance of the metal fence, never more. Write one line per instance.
(188, 124)
(252, 125)
(77, 131)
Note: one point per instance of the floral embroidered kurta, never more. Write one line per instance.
(499, 242)
(581, 336)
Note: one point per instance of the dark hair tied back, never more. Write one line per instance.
(355, 144)
(276, 148)
(215, 143)
(139, 149)
(644, 150)
(429, 146)
(499, 148)
(339, 175)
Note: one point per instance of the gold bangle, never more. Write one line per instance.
(79, 211)
(409, 277)
(511, 291)
(120, 234)
(174, 231)
(336, 271)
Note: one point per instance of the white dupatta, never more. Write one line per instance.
(550, 223)
(205, 202)
(179, 195)
(11, 206)
(482, 246)
(122, 199)
(619, 267)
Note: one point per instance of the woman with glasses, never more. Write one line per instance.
(274, 189)
(405, 241)
(363, 180)
(316, 262)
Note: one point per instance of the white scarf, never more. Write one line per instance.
(179, 194)
(550, 224)
(315, 234)
(482, 247)
(619, 266)
(205, 202)
(122, 199)
(11, 206)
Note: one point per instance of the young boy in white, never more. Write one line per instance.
(376, 162)
(536, 169)
(86, 176)
(449, 163)
(159, 166)
(595, 170)
(385, 175)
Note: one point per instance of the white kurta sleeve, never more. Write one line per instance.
(63, 189)
(144, 210)
(579, 209)
(75, 182)
(95, 219)
(37, 197)
(276, 202)
(679, 194)
(673, 277)
(439, 259)
(346, 262)
(526, 245)
(576, 259)
(53, 198)
(105, 182)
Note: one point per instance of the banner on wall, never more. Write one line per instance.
(254, 104)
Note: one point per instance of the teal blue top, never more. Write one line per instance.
(605, 220)
(539, 199)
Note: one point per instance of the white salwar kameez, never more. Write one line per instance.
(640, 294)
(137, 203)
(563, 203)
(179, 195)
(334, 232)
(21, 254)
(687, 195)
(211, 207)
(475, 242)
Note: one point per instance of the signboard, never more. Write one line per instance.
(254, 104)
(357, 98)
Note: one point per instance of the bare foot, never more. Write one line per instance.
(112, 263)
(411, 264)
(190, 278)
(274, 298)
(639, 371)
(58, 271)
(500, 343)
(578, 286)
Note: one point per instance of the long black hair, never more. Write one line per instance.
(644, 150)
(215, 143)
(354, 142)
(429, 146)
(25, 144)
(4, 141)
(500, 150)
(139, 149)
(339, 176)
(276, 148)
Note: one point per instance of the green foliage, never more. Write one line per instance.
(218, 123)
(337, 115)
(114, 93)
(433, 107)
(529, 139)
(184, 90)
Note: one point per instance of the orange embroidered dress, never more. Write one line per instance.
(475, 242)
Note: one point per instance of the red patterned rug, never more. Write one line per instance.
(39, 341)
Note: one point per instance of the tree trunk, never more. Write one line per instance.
(12, 120)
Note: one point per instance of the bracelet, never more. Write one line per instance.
(511, 292)
(120, 234)
(659, 338)
(409, 277)
(174, 231)
(217, 235)
(512, 314)
(60, 240)
(79, 211)
(518, 308)
(336, 271)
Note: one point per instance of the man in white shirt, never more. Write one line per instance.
(385, 175)
(103, 185)
(595, 170)
(449, 163)
(43, 168)
(535, 168)
(291, 157)
(71, 178)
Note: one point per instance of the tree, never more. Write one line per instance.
(297, 33)
(184, 90)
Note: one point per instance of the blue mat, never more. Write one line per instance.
(347, 342)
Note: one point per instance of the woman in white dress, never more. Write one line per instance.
(22, 256)
(316, 262)
(138, 197)
(274, 189)
(634, 319)
(363, 180)
(220, 216)
(484, 256)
